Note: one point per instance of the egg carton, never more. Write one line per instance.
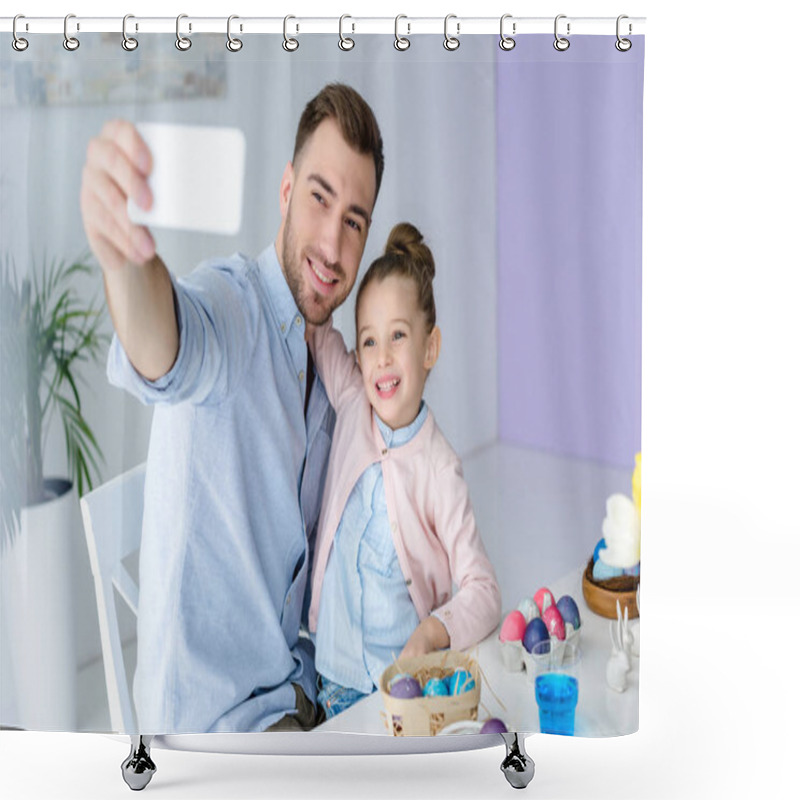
(559, 652)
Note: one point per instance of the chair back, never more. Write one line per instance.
(112, 520)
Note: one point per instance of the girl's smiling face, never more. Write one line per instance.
(395, 352)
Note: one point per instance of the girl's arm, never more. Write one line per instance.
(474, 612)
(336, 366)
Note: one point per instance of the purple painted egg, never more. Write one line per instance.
(494, 725)
(535, 633)
(555, 624)
(569, 611)
(513, 627)
(544, 599)
(405, 687)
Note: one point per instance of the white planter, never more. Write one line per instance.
(38, 629)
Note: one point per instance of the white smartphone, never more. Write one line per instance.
(197, 178)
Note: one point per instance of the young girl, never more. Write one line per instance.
(396, 528)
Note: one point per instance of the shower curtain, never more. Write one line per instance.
(522, 171)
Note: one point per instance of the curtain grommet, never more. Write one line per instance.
(18, 43)
(451, 43)
(183, 43)
(507, 42)
(233, 44)
(346, 43)
(400, 42)
(70, 43)
(289, 44)
(561, 43)
(129, 43)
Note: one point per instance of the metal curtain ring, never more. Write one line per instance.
(623, 45)
(345, 42)
(183, 43)
(451, 42)
(400, 42)
(128, 42)
(507, 42)
(561, 43)
(233, 44)
(18, 43)
(289, 44)
(70, 42)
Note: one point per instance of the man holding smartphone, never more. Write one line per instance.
(241, 431)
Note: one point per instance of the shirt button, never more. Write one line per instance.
(283, 327)
(297, 320)
(301, 374)
(384, 451)
(288, 599)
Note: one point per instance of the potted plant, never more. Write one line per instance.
(47, 333)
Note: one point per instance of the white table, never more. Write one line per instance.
(601, 711)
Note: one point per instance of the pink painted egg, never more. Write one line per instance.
(555, 623)
(544, 599)
(513, 627)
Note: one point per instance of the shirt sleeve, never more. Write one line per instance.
(475, 609)
(217, 312)
(336, 366)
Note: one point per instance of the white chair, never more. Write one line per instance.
(112, 519)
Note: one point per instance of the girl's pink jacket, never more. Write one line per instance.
(433, 525)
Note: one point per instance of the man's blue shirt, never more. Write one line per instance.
(235, 472)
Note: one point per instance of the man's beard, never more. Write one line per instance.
(311, 304)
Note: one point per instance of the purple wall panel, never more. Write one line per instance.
(569, 177)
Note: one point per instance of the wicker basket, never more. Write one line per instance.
(602, 596)
(426, 716)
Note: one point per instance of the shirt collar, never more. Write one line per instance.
(288, 316)
(404, 435)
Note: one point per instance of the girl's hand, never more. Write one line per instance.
(430, 635)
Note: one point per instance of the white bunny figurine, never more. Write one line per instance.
(619, 665)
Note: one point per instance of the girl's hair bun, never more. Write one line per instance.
(406, 241)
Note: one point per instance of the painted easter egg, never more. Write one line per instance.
(569, 611)
(513, 627)
(634, 570)
(535, 633)
(601, 545)
(555, 623)
(436, 687)
(494, 725)
(405, 687)
(528, 609)
(544, 599)
(461, 681)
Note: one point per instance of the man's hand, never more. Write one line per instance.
(430, 635)
(117, 165)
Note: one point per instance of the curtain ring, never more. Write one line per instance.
(400, 42)
(623, 45)
(70, 42)
(451, 42)
(129, 43)
(561, 43)
(18, 43)
(345, 42)
(233, 44)
(507, 42)
(289, 44)
(183, 43)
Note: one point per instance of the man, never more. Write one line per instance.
(240, 436)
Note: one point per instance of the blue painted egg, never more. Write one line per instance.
(460, 681)
(601, 545)
(569, 611)
(535, 632)
(435, 687)
(405, 687)
(494, 725)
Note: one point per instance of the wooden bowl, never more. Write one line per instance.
(602, 596)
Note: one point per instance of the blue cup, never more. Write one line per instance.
(556, 688)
